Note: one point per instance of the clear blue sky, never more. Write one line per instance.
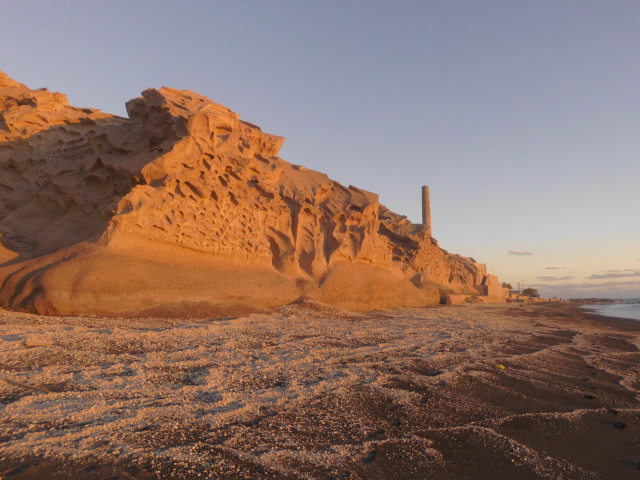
(522, 116)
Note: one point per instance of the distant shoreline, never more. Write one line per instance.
(626, 324)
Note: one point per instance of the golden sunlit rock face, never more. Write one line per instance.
(185, 208)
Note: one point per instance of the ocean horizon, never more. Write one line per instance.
(628, 308)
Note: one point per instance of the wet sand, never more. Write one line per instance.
(464, 392)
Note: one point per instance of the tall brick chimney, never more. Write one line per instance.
(426, 210)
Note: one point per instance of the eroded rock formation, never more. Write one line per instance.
(185, 207)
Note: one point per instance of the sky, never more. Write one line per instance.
(523, 117)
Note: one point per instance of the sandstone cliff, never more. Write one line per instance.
(183, 207)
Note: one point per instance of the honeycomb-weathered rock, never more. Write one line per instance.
(184, 207)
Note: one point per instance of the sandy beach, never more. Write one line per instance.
(313, 392)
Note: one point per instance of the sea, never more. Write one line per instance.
(628, 308)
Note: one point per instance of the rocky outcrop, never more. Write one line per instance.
(185, 207)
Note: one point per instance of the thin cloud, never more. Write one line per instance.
(611, 289)
(614, 274)
(586, 285)
(555, 268)
(511, 252)
(553, 279)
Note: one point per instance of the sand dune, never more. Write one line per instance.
(473, 391)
